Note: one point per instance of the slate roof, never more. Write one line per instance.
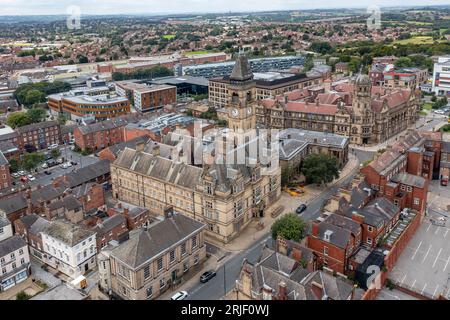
(340, 237)
(241, 70)
(409, 179)
(3, 160)
(14, 203)
(88, 173)
(4, 222)
(109, 224)
(36, 126)
(145, 245)
(66, 232)
(11, 244)
(34, 224)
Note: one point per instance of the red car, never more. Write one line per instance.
(444, 182)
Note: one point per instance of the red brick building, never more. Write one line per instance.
(112, 228)
(40, 135)
(5, 176)
(136, 217)
(29, 228)
(91, 195)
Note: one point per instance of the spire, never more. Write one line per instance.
(241, 70)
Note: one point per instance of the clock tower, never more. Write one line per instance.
(241, 96)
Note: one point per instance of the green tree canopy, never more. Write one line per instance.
(320, 168)
(18, 119)
(403, 62)
(36, 114)
(32, 160)
(34, 96)
(290, 227)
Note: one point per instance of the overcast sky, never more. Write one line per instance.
(50, 7)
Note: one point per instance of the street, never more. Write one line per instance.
(214, 289)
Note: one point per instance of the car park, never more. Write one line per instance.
(181, 295)
(208, 275)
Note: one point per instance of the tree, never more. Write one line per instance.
(321, 47)
(55, 153)
(403, 62)
(22, 295)
(36, 114)
(62, 119)
(320, 168)
(32, 160)
(13, 165)
(291, 227)
(18, 119)
(34, 96)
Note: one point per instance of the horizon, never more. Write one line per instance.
(137, 8)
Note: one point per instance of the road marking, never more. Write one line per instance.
(423, 289)
(434, 293)
(448, 260)
(403, 280)
(412, 286)
(445, 233)
(426, 255)
(437, 230)
(415, 252)
(437, 257)
(428, 227)
(391, 295)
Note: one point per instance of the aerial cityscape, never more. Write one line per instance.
(255, 152)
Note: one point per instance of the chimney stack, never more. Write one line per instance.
(156, 151)
(140, 146)
(315, 228)
(282, 291)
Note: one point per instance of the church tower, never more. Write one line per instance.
(241, 96)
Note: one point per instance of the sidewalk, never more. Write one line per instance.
(211, 263)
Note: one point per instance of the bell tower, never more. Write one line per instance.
(363, 120)
(241, 96)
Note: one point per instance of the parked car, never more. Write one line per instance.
(74, 163)
(53, 146)
(45, 165)
(59, 161)
(181, 295)
(48, 156)
(22, 173)
(439, 111)
(24, 179)
(64, 166)
(31, 178)
(208, 275)
(51, 163)
(69, 164)
(47, 172)
(301, 208)
(15, 175)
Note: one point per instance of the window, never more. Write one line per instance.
(162, 283)
(172, 256)
(194, 242)
(160, 264)
(325, 251)
(369, 241)
(13, 265)
(1, 230)
(2, 260)
(3, 270)
(183, 249)
(409, 189)
(124, 272)
(195, 260)
(369, 228)
(22, 261)
(185, 266)
(13, 256)
(149, 292)
(416, 201)
(147, 272)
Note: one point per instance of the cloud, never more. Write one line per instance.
(49, 7)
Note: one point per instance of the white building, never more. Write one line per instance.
(69, 248)
(441, 76)
(5, 229)
(14, 262)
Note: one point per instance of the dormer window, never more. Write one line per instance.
(327, 235)
(209, 188)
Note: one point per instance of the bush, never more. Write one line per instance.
(22, 295)
(389, 284)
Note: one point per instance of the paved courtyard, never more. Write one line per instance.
(424, 265)
(386, 294)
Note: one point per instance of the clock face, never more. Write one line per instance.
(235, 112)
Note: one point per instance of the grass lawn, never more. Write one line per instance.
(423, 113)
(168, 36)
(416, 40)
(427, 106)
(196, 52)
